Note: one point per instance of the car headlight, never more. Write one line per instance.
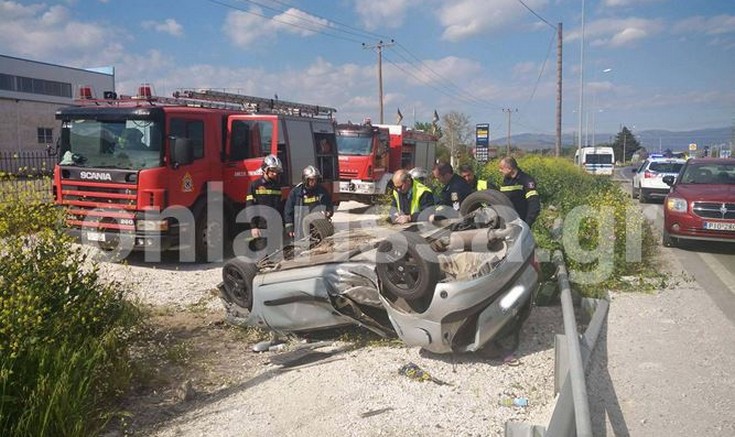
(676, 204)
(152, 225)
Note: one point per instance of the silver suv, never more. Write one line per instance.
(648, 178)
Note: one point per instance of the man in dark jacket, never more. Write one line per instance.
(266, 192)
(305, 198)
(520, 189)
(468, 174)
(455, 188)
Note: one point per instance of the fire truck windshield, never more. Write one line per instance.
(354, 145)
(125, 144)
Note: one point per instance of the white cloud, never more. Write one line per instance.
(615, 32)
(384, 14)
(169, 26)
(623, 3)
(466, 18)
(245, 28)
(38, 31)
(717, 25)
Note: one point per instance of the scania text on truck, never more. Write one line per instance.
(156, 173)
(369, 154)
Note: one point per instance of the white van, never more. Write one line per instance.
(596, 160)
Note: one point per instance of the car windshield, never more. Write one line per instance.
(721, 174)
(125, 144)
(666, 167)
(354, 145)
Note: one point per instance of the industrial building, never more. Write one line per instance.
(30, 94)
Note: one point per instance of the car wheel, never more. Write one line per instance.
(317, 227)
(633, 192)
(668, 240)
(237, 277)
(407, 266)
(642, 196)
(208, 234)
(492, 198)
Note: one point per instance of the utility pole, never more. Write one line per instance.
(510, 112)
(557, 149)
(581, 89)
(379, 48)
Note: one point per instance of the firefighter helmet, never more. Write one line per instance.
(271, 162)
(310, 172)
(419, 173)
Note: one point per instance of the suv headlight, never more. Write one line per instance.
(676, 204)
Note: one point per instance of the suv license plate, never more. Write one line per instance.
(95, 236)
(719, 226)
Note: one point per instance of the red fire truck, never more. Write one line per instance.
(369, 154)
(157, 173)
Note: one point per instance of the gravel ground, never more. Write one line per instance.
(359, 392)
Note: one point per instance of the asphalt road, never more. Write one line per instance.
(664, 365)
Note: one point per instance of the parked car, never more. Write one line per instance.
(701, 204)
(648, 177)
(449, 286)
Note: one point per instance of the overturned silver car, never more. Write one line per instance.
(450, 285)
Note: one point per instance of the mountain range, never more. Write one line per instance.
(652, 140)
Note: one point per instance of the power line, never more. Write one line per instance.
(537, 15)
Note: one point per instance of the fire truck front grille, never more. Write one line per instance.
(348, 174)
(111, 206)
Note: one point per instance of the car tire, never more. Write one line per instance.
(208, 234)
(634, 193)
(407, 267)
(642, 196)
(237, 278)
(494, 198)
(668, 240)
(317, 227)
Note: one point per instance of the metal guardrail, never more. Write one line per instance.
(571, 414)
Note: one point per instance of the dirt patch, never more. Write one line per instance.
(182, 356)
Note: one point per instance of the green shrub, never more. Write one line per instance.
(613, 239)
(64, 332)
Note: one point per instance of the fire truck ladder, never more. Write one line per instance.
(257, 104)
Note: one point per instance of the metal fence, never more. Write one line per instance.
(26, 172)
(27, 164)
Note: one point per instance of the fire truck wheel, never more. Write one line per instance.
(407, 266)
(317, 227)
(237, 276)
(489, 198)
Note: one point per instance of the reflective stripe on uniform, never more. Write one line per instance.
(531, 193)
(481, 185)
(512, 188)
(263, 190)
(249, 197)
(311, 199)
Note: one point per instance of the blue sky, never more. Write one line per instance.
(649, 64)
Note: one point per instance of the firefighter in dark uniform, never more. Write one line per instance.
(304, 198)
(410, 198)
(266, 192)
(468, 174)
(520, 189)
(455, 188)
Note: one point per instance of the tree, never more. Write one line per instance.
(457, 135)
(625, 144)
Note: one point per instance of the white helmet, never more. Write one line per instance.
(271, 162)
(310, 172)
(419, 173)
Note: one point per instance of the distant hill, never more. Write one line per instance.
(650, 139)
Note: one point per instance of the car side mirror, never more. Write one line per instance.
(182, 152)
(669, 180)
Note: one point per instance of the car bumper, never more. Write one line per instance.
(686, 227)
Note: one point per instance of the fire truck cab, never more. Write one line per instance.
(370, 154)
(154, 173)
